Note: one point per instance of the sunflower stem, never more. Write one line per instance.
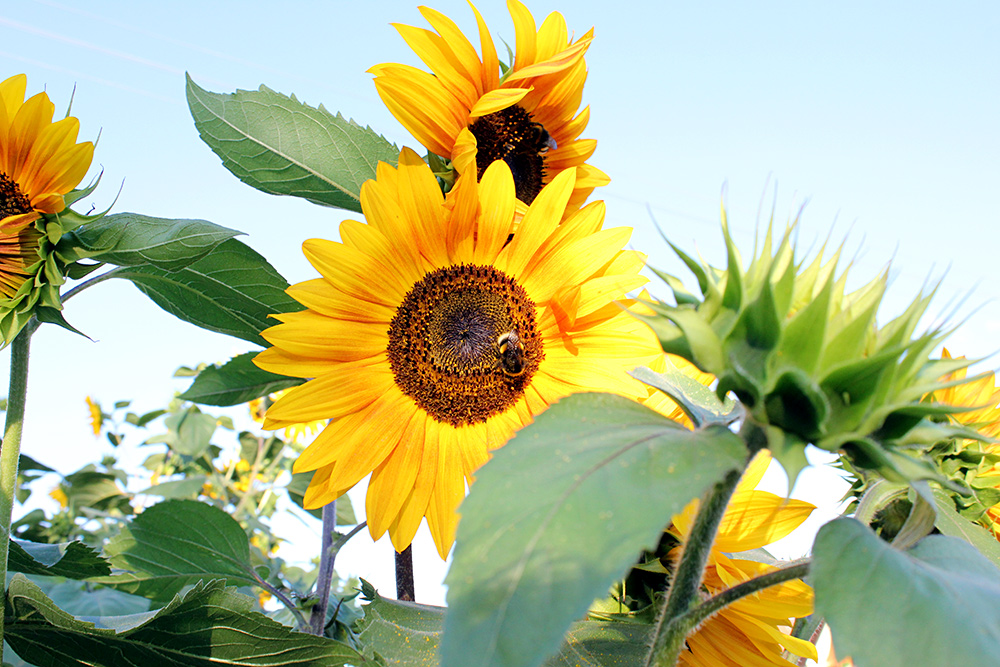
(683, 593)
(325, 578)
(404, 575)
(10, 447)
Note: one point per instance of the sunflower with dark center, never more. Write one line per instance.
(40, 163)
(430, 339)
(467, 112)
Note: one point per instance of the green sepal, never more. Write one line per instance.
(798, 405)
(53, 316)
(804, 336)
(698, 402)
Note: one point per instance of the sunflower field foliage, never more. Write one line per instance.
(583, 433)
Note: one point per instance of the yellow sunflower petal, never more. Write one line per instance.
(497, 100)
(393, 480)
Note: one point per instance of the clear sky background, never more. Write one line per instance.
(880, 117)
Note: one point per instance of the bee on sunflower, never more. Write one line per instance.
(432, 336)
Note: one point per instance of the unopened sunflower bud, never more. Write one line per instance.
(807, 358)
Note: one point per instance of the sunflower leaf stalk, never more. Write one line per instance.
(671, 630)
(806, 358)
(669, 635)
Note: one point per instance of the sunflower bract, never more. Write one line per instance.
(435, 333)
(807, 358)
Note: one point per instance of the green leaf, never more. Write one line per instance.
(190, 431)
(232, 290)
(189, 487)
(698, 402)
(130, 239)
(283, 147)
(97, 490)
(237, 381)
(74, 560)
(177, 543)
(935, 604)
(406, 634)
(543, 533)
(207, 626)
(83, 600)
(954, 524)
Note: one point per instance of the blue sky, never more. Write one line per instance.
(882, 119)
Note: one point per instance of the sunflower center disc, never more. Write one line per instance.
(443, 343)
(12, 200)
(510, 135)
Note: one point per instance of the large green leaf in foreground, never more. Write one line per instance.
(207, 626)
(935, 605)
(178, 543)
(406, 634)
(560, 513)
(284, 147)
(232, 290)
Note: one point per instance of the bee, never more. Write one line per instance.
(510, 354)
(543, 141)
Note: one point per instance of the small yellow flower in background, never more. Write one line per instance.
(59, 496)
(96, 417)
(749, 632)
(467, 112)
(431, 338)
(40, 162)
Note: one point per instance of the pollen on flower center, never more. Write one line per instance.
(512, 136)
(12, 200)
(443, 343)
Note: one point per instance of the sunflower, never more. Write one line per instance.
(468, 113)
(748, 632)
(431, 338)
(40, 162)
(983, 395)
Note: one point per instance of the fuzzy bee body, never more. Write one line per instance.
(510, 354)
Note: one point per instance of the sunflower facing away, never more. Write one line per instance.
(40, 162)
(983, 394)
(747, 633)
(431, 338)
(468, 113)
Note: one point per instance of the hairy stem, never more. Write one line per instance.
(10, 448)
(668, 638)
(696, 616)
